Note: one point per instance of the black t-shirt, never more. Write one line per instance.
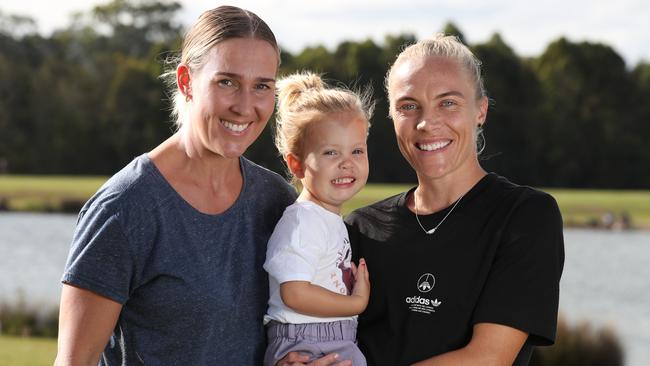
(497, 258)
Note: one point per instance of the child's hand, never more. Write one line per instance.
(361, 289)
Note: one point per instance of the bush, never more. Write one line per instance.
(19, 320)
(580, 345)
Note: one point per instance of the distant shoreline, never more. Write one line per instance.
(73, 207)
(581, 208)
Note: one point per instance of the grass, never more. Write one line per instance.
(46, 193)
(373, 193)
(18, 351)
(579, 207)
(584, 207)
(67, 193)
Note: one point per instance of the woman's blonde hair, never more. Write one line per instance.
(212, 27)
(303, 99)
(443, 46)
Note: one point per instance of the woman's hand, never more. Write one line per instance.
(296, 359)
(361, 287)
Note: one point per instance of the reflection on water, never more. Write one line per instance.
(605, 279)
(33, 250)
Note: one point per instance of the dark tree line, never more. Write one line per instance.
(88, 98)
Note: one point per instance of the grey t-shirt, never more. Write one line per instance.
(192, 285)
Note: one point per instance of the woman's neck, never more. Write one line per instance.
(209, 182)
(435, 194)
(204, 166)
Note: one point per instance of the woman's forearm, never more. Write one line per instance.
(461, 357)
(491, 345)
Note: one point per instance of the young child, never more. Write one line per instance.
(316, 292)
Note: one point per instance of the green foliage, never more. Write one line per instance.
(581, 345)
(88, 99)
(20, 320)
(16, 25)
(591, 117)
(135, 26)
(451, 29)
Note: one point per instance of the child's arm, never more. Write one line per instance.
(314, 300)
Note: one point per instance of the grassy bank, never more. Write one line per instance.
(584, 207)
(46, 193)
(18, 351)
(68, 193)
(580, 208)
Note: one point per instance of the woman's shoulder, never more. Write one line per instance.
(522, 204)
(136, 187)
(261, 178)
(519, 194)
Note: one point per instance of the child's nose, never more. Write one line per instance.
(346, 163)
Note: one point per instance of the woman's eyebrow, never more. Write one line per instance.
(405, 98)
(237, 76)
(450, 94)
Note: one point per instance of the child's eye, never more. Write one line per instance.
(358, 151)
(329, 152)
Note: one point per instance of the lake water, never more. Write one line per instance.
(606, 278)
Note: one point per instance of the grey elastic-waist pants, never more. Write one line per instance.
(313, 339)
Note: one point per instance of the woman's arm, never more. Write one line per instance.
(314, 300)
(491, 345)
(86, 321)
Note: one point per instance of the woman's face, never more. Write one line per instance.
(233, 96)
(435, 111)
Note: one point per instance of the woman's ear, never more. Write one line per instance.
(183, 81)
(295, 165)
(482, 110)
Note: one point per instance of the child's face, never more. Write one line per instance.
(334, 163)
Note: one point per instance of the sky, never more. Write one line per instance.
(526, 26)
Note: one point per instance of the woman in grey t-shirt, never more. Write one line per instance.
(165, 267)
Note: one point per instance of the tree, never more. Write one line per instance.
(135, 26)
(87, 100)
(133, 116)
(641, 116)
(17, 26)
(514, 129)
(588, 105)
(451, 29)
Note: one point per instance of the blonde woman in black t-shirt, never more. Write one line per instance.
(466, 265)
